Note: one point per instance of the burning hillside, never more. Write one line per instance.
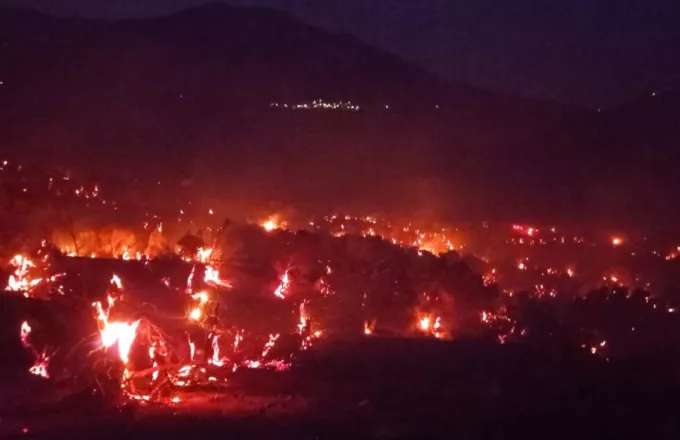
(161, 309)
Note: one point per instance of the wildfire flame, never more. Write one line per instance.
(282, 290)
(20, 280)
(270, 225)
(39, 367)
(212, 277)
(118, 332)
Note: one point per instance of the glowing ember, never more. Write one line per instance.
(302, 326)
(269, 345)
(617, 241)
(238, 338)
(430, 326)
(282, 290)
(425, 323)
(212, 277)
(121, 333)
(24, 331)
(20, 280)
(190, 279)
(201, 296)
(204, 254)
(217, 360)
(195, 314)
(192, 351)
(270, 225)
(115, 279)
(39, 367)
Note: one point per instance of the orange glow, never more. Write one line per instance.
(204, 254)
(39, 367)
(270, 225)
(212, 277)
(115, 279)
(24, 331)
(201, 296)
(121, 333)
(269, 345)
(282, 290)
(617, 241)
(430, 326)
(20, 280)
(216, 360)
(195, 314)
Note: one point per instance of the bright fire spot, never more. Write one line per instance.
(217, 360)
(39, 368)
(570, 272)
(115, 279)
(369, 327)
(176, 399)
(192, 351)
(238, 338)
(282, 289)
(42, 360)
(303, 319)
(195, 314)
(20, 280)
(204, 254)
(122, 333)
(521, 266)
(24, 331)
(269, 345)
(201, 296)
(212, 277)
(430, 326)
(617, 241)
(270, 225)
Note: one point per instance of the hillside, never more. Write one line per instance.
(189, 96)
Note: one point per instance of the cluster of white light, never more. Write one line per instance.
(319, 104)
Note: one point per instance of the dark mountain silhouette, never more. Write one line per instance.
(188, 96)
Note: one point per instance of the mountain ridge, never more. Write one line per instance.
(194, 89)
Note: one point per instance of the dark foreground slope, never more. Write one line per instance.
(407, 389)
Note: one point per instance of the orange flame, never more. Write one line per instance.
(39, 367)
(121, 333)
(282, 289)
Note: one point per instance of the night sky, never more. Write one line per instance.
(595, 53)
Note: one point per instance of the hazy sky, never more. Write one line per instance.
(588, 52)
